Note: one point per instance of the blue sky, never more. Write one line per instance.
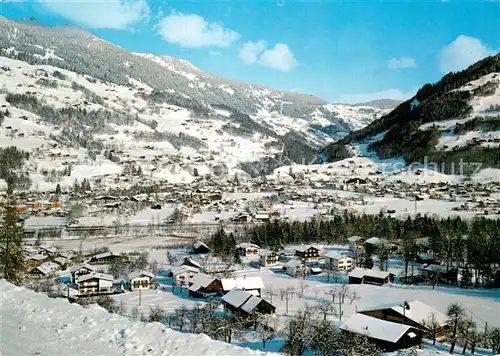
(342, 51)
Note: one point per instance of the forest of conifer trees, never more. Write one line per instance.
(468, 245)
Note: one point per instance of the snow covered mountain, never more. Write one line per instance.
(456, 119)
(75, 91)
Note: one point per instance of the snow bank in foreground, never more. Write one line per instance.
(35, 324)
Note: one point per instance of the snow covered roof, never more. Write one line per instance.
(199, 244)
(68, 254)
(355, 238)
(375, 328)
(334, 255)
(236, 297)
(246, 245)
(92, 275)
(417, 311)
(48, 248)
(30, 249)
(136, 274)
(294, 263)
(182, 269)
(104, 255)
(202, 280)
(186, 260)
(80, 266)
(251, 304)
(361, 272)
(434, 268)
(60, 260)
(48, 267)
(374, 241)
(262, 216)
(264, 252)
(242, 283)
(35, 257)
(304, 248)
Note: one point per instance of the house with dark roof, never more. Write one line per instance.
(95, 283)
(140, 280)
(307, 253)
(187, 261)
(268, 258)
(356, 243)
(246, 249)
(369, 276)
(245, 303)
(80, 270)
(413, 313)
(204, 286)
(45, 269)
(200, 248)
(105, 258)
(388, 336)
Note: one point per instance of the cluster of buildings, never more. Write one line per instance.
(87, 278)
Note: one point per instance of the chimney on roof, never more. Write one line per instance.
(244, 276)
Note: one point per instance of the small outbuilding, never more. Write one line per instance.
(369, 276)
(242, 302)
(200, 248)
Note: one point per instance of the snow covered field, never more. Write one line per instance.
(483, 304)
(33, 324)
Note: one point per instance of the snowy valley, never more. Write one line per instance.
(151, 208)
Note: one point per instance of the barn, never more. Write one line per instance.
(413, 313)
(388, 336)
(368, 276)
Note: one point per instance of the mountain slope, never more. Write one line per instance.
(456, 118)
(64, 87)
(382, 103)
(81, 52)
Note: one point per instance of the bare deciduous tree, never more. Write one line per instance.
(325, 308)
(432, 325)
(180, 317)
(156, 314)
(353, 296)
(134, 313)
(267, 328)
(455, 313)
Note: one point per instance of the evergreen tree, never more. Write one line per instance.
(11, 248)
(466, 277)
(76, 186)
(85, 185)
(58, 190)
(367, 261)
(237, 258)
(383, 253)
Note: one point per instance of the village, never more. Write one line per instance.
(143, 248)
(139, 276)
(212, 201)
(208, 231)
